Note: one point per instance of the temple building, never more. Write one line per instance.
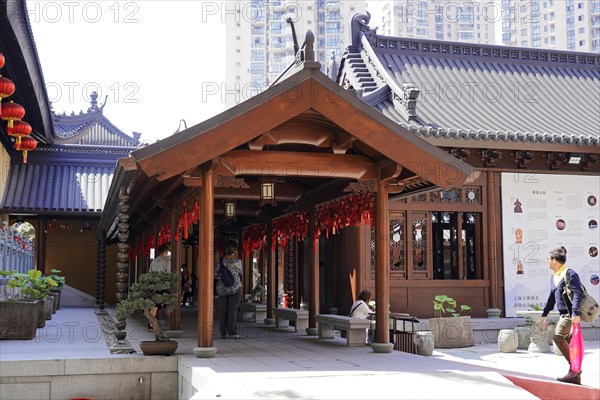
(62, 187)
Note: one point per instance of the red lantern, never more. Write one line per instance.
(11, 112)
(7, 88)
(27, 144)
(2, 60)
(19, 130)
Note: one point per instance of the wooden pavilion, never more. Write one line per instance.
(305, 158)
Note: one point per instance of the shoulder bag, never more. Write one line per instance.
(588, 308)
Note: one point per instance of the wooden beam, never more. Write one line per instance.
(310, 133)
(388, 169)
(192, 181)
(316, 165)
(285, 192)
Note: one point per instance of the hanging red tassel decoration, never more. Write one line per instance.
(254, 237)
(289, 226)
(345, 211)
(185, 225)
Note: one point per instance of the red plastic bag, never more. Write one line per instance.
(576, 348)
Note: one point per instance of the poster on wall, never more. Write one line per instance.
(539, 213)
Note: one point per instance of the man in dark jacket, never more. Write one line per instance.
(569, 313)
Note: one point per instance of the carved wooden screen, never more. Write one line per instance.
(419, 241)
(397, 247)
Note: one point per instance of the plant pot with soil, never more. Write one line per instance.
(451, 329)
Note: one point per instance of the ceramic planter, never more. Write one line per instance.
(49, 302)
(452, 332)
(58, 292)
(41, 310)
(18, 320)
(154, 348)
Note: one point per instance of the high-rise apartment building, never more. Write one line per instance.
(449, 20)
(260, 45)
(552, 24)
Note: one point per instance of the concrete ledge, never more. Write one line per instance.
(118, 378)
(89, 366)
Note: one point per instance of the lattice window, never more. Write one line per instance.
(419, 232)
(446, 196)
(397, 240)
(419, 198)
(473, 195)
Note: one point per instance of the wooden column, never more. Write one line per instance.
(206, 261)
(492, 238)
(271, 281)
(314, 272)
(101, 272)
(382, 261)
(123, 245)
(175, 317)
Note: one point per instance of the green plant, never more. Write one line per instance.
(59, 279)
(443, 304)
(150, 289)
(15, 283)
(39, 286)
(31, 285)
(534, 307)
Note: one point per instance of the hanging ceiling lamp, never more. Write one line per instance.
(27, 144)
(7, 88)
(11, 112)
(20, 129)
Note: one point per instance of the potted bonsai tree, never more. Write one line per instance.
(150, 290)
(456, 331)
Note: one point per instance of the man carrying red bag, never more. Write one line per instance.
(569, 312)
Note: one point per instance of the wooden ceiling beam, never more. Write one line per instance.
(302, 133)
(285, 192)
(316, 165)
(389, 169)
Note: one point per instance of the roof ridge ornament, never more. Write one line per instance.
(94, 102)
(309, 46)
(406, 101)
(360, 24)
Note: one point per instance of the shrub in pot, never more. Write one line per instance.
(452, 327)
(151, 289)
(60, 280)
(18, 311)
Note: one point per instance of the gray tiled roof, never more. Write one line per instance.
(479, 92)
(91, 128)
(56, 188)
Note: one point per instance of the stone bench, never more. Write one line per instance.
(253, 312)
(284, 315)
(355, 328)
